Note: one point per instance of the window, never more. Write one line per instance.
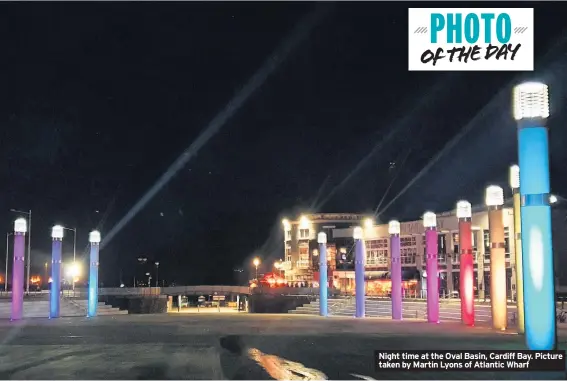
(377, 252)
(456, 243)
(408, 250)
(303, 233)
(288, 253)
(288, 235)
(507, 241)
(486, 235)
(303, 253)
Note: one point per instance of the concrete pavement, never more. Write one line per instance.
(213, 346)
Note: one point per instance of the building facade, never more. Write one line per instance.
(302, 261)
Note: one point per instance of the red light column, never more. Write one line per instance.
(464, 214)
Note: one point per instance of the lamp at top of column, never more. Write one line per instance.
(431, 250)
(359, 260)
(395, 269)
(517, 201)
(466, 275)
(57, 232)
(17, 307)
(323, 290)
(21, 226)
(498, 301)
(94, 237)
(531, 110)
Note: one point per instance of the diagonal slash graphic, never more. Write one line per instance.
(421, 29)
(520, 29)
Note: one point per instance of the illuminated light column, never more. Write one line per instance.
(94, 239)
(20, 230)
(431, 249)
(55, 297)
(515, 185)
(396, 269)
(322, 240)
(359, 272)
(466, 275)
(498, 300)
(531, 109)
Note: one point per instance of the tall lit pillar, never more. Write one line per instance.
(431, 251)
(396, 269)
(20, 230)
(55, 297)
(359, 272)
(498, 300)
(94, 239)
(466, 275)
(515, 185)
(323, 291)
(531, 110)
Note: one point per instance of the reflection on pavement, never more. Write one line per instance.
(282, 369)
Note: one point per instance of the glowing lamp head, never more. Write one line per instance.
(531, 101)
(57, 232)
(368, 223)
(94, 236)
(304, 222)
(394, 227)
(429, 220)
(357, 233)
(494, 196)
(464, 209)
(515, 176)
(20, 225)
(286, 224)
(256, 262)
(322, 238)
(552, 199)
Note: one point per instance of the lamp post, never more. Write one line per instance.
(94, 240)
(20, 229)
(55, 301)
(74, 230)
(7, 258)
(498, 301)
(322, 241)
(29, 214)
(46, 275)
(431, 250)
(531, 110)
(396, 269)
(466, 274)
(149, 279)
(358, 236)
(157, 274)
(256, 263)
(515, 185)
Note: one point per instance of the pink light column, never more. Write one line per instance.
(430, 225)
(466, 275)
(20, 229)
(396, 269)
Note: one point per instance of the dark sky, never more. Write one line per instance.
(98, 99)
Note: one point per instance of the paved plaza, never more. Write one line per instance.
(215, 346)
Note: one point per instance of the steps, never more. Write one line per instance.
(410, 310)
(68, 308)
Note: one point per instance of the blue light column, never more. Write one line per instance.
(531, 109)
(94, 239)
(323, 291)
(359, 272)
(55, 297)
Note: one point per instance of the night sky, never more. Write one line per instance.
(99, 99)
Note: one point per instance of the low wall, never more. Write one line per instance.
(275, 304)
(137, 305)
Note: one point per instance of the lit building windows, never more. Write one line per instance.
(303, 233)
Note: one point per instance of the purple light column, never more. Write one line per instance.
(20, 229)
(396, 269)
(55, 297)
(430, 224)
(359, 273)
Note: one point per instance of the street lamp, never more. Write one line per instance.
(157, 274)
(256, 263)
(29, 214)
(531, 110)
(74, 230)
(7, 257)
(149, 279)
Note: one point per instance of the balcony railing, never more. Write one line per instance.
(375, 262)
(302, 264)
